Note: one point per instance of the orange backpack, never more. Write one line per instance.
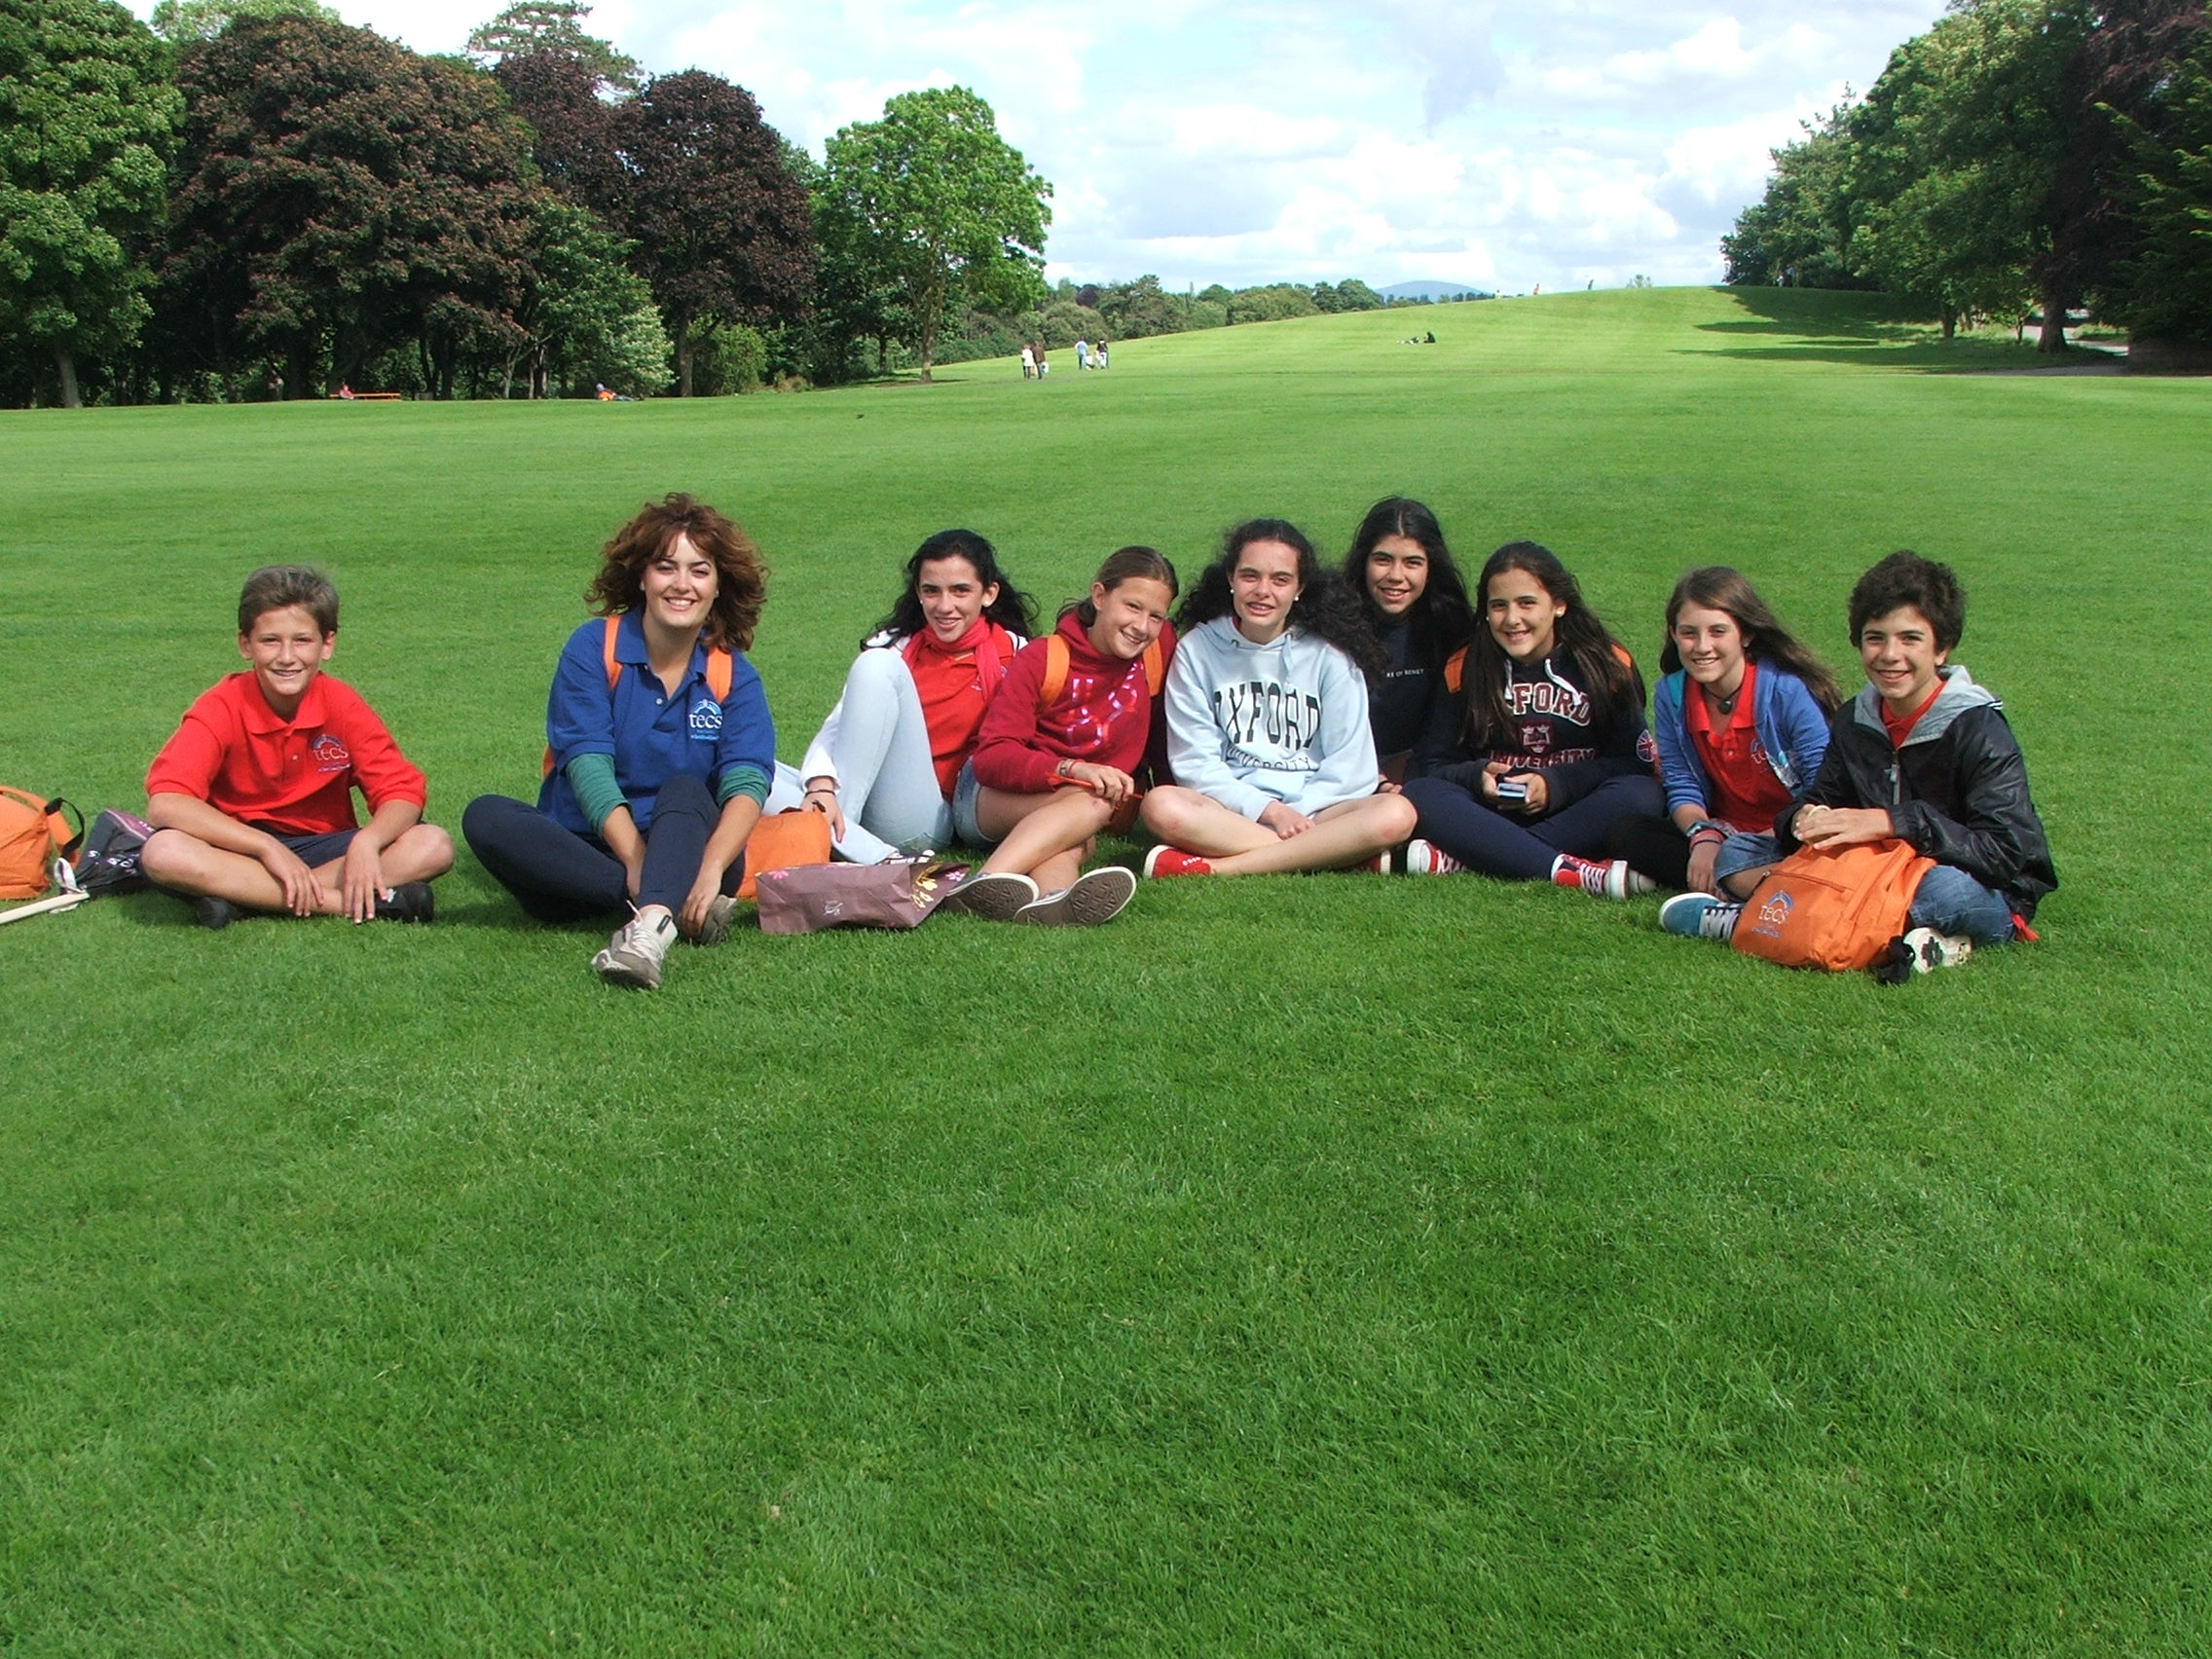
(1837, 910)
(718, 672)
(33, 832)
(1056, 669)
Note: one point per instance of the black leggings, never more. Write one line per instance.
(558, 875)
(1655, 847)
(1520, 849)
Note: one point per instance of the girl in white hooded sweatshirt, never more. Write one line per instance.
(1268, 731)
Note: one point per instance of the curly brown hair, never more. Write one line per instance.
(741, 575)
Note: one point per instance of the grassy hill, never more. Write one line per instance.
(1324, 1264)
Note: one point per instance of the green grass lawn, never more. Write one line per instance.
(1332, 1265)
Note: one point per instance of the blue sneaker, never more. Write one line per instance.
(1700, 915)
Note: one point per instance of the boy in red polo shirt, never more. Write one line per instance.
(253, 795)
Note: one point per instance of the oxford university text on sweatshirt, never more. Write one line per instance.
(1554, 732)
(1251, 724)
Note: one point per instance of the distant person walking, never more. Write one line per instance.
(1098, 356)
(1081, 355)
(1028, 361)
(1044, 368)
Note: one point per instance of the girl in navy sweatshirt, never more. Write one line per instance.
(1524, 772)
(1416, 606)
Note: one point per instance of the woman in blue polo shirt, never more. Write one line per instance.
(658, 748)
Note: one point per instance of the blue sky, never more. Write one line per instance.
(1498, 145)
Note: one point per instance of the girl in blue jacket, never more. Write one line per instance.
(1742, 721)
(1267, 721)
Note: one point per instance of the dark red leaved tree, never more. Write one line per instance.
(336, 195)
(724, 229)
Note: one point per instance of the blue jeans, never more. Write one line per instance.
(1953, 902)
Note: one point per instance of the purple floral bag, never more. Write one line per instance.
(898, 893)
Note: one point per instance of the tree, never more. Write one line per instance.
(1137, 310)
(941, 208)
(183, 23)
(724, 229)
(85, 122)
(534, 26)
(584, 314)
(571, 126)
(2163, 289)
(1798, 234)
(336, 194)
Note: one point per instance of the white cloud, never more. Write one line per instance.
(1458, 140)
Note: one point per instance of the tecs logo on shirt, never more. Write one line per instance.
(706, 721)
(330, 752)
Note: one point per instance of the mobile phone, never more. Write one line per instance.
(1509, 790)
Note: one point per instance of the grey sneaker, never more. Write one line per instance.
(715, 928)
(634, 955)
(1098, 896)
(994, 897)
(1923, 951)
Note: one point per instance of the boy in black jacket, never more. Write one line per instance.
(1925, 754)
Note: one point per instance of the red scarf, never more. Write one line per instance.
(955, 683)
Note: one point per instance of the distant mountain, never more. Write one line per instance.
(1430, 291)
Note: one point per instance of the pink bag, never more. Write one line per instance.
(898, 893)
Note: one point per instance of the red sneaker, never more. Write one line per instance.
(1173, 861)
(1605, 878)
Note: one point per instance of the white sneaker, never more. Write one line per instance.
(634, 955)
(1098, 896)
(1426, 858)
(1923, 951)
(995, 896)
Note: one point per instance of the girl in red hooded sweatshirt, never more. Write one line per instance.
(1056, 756)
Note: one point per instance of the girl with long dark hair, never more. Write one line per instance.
(1267, 721)
(883, 767)
(1523, 774)
(1416, 603)
(1742, 720)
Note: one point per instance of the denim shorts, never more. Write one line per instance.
(1743, 851)
(964, 795)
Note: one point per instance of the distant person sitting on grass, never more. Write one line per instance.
(252, 797)
(1417, 604)
(884, 765)
(1266, 721)
(1742, 721)
(1523, 774)
(658, 748)
(1925, 756)
(1060, 745)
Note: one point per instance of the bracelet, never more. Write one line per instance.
(818, 789)
(1707, 831)
(1065, 769)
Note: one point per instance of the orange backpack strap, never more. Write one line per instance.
(1456, 671)
(1055, 673)
(1155, 668)
(1620, 650)
(720, 669)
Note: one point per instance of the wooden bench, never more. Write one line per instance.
(371, 398)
